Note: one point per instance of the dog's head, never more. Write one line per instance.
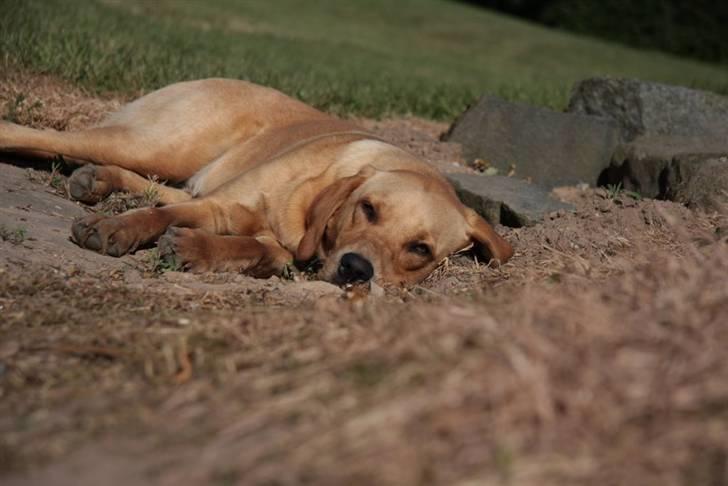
(393, 227)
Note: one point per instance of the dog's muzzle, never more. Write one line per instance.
(354, 268)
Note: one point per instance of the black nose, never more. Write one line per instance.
(355, 268)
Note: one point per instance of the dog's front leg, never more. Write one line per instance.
(201, 251)
(92, 183)
(122, 234)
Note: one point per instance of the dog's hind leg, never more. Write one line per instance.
(116, 145)
(113, 145)
(122, 234)
(197, 250)
(92, 183)
(94, 145)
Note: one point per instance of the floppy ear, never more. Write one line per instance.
(487, 243)
(326, 203)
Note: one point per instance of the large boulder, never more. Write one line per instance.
(543, 146)
(505, 200)
(691, 170)
(646, 108)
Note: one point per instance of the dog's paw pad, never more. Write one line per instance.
(167, 248)
(104, 235)
(82, 229)
(84, 185)
(180, 248)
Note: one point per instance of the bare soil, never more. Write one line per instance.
(596, 356)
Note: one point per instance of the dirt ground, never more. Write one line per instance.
(597, 355)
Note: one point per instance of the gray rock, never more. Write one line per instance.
(706, 184)
(645, 108)
(691, 170)
(546, 147)
(505, 200)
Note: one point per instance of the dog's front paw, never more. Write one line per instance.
(87, 185)
(106, 235)
(185, 248)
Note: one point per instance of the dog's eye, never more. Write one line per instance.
(369, 211)
(419, 248)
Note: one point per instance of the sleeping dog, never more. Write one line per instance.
(267, 180)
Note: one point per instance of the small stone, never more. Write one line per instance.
(505, 200)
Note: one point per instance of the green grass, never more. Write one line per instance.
(15, 236)
(159, 264)
(377, 57)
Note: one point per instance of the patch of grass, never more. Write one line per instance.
(15, 108)
(55, 180)
(150, 196)
(616, 190)
(120, 202)
(158, 264)
(425, 57)
(15, 236)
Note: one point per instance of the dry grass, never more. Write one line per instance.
(596, 356)
(46, 102)
(623, 381)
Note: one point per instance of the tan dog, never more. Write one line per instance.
(269, 180)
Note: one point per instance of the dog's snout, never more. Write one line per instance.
(355, 268)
